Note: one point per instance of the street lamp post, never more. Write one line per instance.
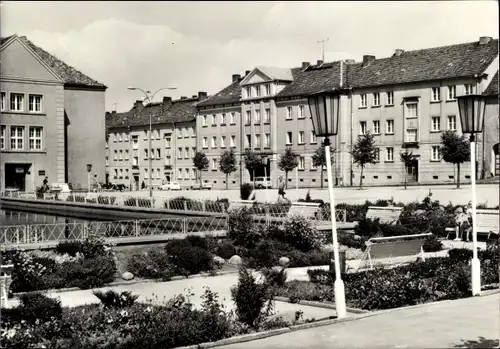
(89, 169)
(471, 109)
(150, 97)
(324, 108)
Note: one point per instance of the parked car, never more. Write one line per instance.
(171, 186)
(196, 186)
(263, 182)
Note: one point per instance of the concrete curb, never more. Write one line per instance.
(320, 305)
(122, 283)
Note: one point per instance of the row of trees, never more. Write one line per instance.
(454, 149)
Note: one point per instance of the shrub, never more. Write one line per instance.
(89, 273)
(71, 247)
(275, 276)
(368, 227)
(432, 244)
(349, 240)
(246, 190)
(112, 299)
(241, 228)
(197, 241)
(153, 264)
(94, 246)
(36, 306)
(188, 259)
(301, 234)
(250, 298)
(226, 250)
(264, 255)
(460, 254)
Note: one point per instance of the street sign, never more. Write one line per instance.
(41, 173)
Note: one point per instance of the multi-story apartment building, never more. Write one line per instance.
(406, 100)
(52, 122)
(173, 143)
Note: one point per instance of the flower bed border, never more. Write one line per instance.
(324, 305)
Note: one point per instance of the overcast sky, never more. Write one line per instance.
(197, 46)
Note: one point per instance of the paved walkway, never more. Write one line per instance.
(442, 325)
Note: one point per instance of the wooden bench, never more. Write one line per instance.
(306, 209)
(236, 205)
(487, 222)
(388, 215)
(393, 247)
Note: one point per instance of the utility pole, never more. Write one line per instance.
(323, 42)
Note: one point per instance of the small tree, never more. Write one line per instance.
(227, 163)
(319, 159)
(407, 159)
(364, 152)
(455, 149)
(252, 162)
(200, 161)
(288, 161)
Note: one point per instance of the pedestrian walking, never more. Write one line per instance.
(281, 189)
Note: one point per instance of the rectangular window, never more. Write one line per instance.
(452, 122)
(223, 119)
(389, 155)
(377, 155)
(186, 153)
(158, 175)
(362, 100)
(35, 103)
(3, 102)
(125, 137)
(233, 141)
(436, 94)
(248, 91)
(313, 167)
(36, 138)
(411, 110)
(168, 142)
(145, 135)
(126, 155)
(248, 117)
(257, 141)
(116, 173)
(233, 118)
(185, 132)
(145, 153)
(389, 127)
(288, 113)
(17, 137)
(119, 136)
(376, 127)
(168, 160)
(268, 89)
(376, 99)
(120, 155)
(179, 173)
(436, 123)
(390, 98)
(193, 173)
(267, 115)
(289, 138)
(362, 127)
(214, 120)
(301, 112)
(193, 152)
(179, 153)
(2, 137)
(435, 153)
(257, 116)
(16, 102)
(411, 135)
(214, 141)
(204, 121)
(313, 137)
(267, 140)
(257, 91)
(248, 139)
(223, 141)
(214, 163)
(302, 163)
(115, 157)
(107, 161)
(158, 153)
(204, 143)
(301, 137)
(469, 89)
(452, 92)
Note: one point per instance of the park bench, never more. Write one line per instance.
(306, 209)
(388, 215)
(487, 223)
(393, 247)
(237, 204)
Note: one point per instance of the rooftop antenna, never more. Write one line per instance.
(323, 42)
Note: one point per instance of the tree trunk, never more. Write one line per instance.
(286, 179)
(322, 181)
(406, 175)
(458, 176)
(361, 178)
(227, 183)
(201, 181)
(253, 178)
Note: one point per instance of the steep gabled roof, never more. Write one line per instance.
(275, 73)
(438, 63)
(70, 75)
(492, 89)
(230, 94)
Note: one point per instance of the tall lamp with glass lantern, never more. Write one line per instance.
(325, 112)
(89, 170)
(471, 108)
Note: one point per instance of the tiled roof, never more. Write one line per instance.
(492, 89)
(230, 94)
(2, 40)
(283, 74)
(446, 62)
(178, 111)
(70, 75)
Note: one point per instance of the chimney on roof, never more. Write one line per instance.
(113, 112)
(236, 77)
(194, 96)
(397, 52)
(108, 114)
(202, 96)
(138, 105)
(350, 61)
(183, 98)
(320, 62)
(305, 65)
(247, 72)
(167, 102)
(483, 40)
(367, 59)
